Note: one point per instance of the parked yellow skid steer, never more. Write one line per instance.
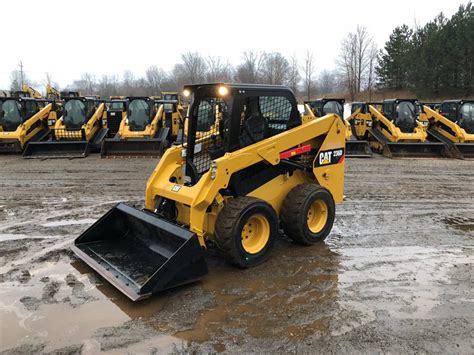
(146, 130)
(453, 125)
(355, 148)
(77, 133)
(260, 168)
(22, 120)
(398, 130)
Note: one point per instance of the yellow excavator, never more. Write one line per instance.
(23, 120)
(52, 93)
(261, 168)
(75, 134)
(355, 148)
(398, 130)
(27, 91)
(148, 127)
(453, 124)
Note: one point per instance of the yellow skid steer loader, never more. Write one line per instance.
(398, 130)
(146, 129)
(355, 148)
(262, 167)
(77, 133)
(22, 120)
(453, 125)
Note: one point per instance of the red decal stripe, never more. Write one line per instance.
(295, 151)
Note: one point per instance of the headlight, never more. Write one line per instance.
(186, 93)
(222, 91)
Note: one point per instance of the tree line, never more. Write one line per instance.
(436, 59)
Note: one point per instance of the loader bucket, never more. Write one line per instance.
(140, 253)
(56, 149)
(466, 150)
(10, 146)
(117, 147)
(415, 149)
(358, 149)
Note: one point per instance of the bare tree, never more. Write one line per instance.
(128, 83)
(371, 73)
(249, 70)
(274, 69)
(218, 70)
(356, 59)
(327, 82)
(154, 79)
(15, 80)
(192, 70)
(308, 72)
(294, 76)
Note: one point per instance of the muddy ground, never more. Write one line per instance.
(395, 275)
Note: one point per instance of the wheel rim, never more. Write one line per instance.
(317, 216)
(255, 234)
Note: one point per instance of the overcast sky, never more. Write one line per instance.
(68, 38)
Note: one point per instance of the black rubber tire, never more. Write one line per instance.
(229, 225)
(294, 213)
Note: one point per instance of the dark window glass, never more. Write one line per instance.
(406, 116)
(75, 114)
(170, 97)
(116, 106)
(10, 115)
(138, 115)
(387, 110)
(333, 107)
(466, 117)
(31, 108)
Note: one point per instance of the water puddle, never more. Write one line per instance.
(465, 224)
(54, 307)
(8, 237)
(71, 222)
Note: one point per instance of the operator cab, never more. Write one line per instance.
(461, 112)
(140, 112)
(227, 117)
(15, 111)
(78, 110)
(403, 113)
(324, 106)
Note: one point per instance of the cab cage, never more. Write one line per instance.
(245, 114)
(318, 105)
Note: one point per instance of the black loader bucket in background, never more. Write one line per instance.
(10, 146)
(457, 150)
(14, 146)
(153, 147)
(358, 149)
(466, 150)
(56, 149)
(409, 149)
(140, 253)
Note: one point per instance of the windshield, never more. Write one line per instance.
(138, 115)
(333, 107)
(466, 117)
(168, 107)
(170, 97)
(117, 106)
(405, 119)
(75, 114)
(10, 116)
